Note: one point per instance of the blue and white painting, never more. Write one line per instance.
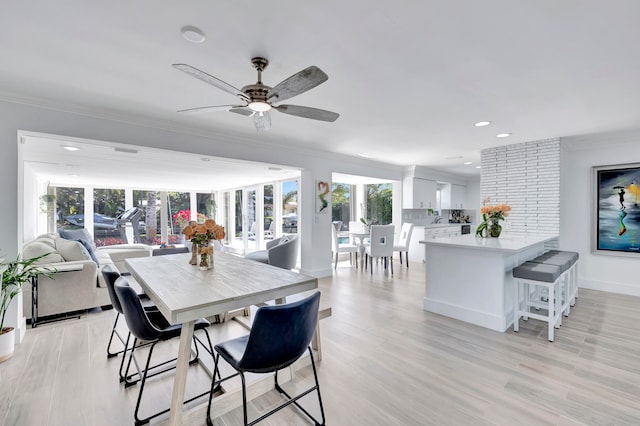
(618, 209)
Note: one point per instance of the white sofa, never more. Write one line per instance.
(79, 289)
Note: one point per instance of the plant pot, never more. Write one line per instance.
(7, 343)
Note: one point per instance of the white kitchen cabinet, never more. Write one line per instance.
(416, 250)
(418, 193)
(453, 197)
(458, 196)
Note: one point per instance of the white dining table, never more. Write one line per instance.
(360, 236)
(183, 293)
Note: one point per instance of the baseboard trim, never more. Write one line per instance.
(611, 287)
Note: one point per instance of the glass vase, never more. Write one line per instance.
(494, 228)
(205, 256)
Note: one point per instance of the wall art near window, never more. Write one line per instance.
(323, 190)
(617, 209)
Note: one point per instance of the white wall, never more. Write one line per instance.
(315, 164)
(579, 154)
(473, 199)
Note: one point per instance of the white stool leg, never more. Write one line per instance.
(516, 308)
(550, 312)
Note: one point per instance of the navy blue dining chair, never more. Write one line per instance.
(142, 327)
(279, 336)
(111, 275)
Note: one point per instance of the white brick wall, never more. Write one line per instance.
(525, 176)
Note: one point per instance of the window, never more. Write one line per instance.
(379, 203)
(178, 202)
(237, 240)
(269, 231)
(341, 204)
(227, 217)
(149, 201)
(108, 204)
(207, 207)
(69, 208)
(290, 207)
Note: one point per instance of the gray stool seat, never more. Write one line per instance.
(562, 262)
(537, 272)
(572, 255)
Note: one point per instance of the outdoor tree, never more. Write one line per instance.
(379, 203)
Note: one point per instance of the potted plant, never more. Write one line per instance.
(15, 274)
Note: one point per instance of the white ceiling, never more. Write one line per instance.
(98, 163)
(408, 78)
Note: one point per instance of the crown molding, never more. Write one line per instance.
(599, 140)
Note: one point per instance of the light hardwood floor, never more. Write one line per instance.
(385, 362)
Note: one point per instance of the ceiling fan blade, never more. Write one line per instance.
(207, 78)
(262, 121)
(215, 108)
(298, 83)
(242, 111)
(308, 112)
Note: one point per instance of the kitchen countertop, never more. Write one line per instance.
(505, 243)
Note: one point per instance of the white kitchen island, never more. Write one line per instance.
(469, 278)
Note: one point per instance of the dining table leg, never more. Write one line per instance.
(180, 378)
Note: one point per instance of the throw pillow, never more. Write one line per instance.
(78, 234)
(72, 250)
(82, 236)
(39, 248)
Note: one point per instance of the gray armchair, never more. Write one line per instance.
(281, 252)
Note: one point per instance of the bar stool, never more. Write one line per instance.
(566, 286)
(575, 257)
(542, 275)
(573, 270)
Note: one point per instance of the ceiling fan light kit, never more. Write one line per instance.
(258, 99)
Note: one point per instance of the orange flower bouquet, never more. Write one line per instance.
(201, 235)
(491, 215)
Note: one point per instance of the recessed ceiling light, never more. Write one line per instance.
(466, 163)
(478, 167)
(482, 123)
(276, 169)
(71, 148)
(365, 155)
(205, 159)
(192, 34)
(503, 135)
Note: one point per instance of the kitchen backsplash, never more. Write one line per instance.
(422, 217)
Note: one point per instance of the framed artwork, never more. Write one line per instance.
(323, 192)
(617, 211)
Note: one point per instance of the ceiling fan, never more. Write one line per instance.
(258, 99)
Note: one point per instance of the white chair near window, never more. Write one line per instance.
(381, 246)
(403, 242)
(338, 248)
